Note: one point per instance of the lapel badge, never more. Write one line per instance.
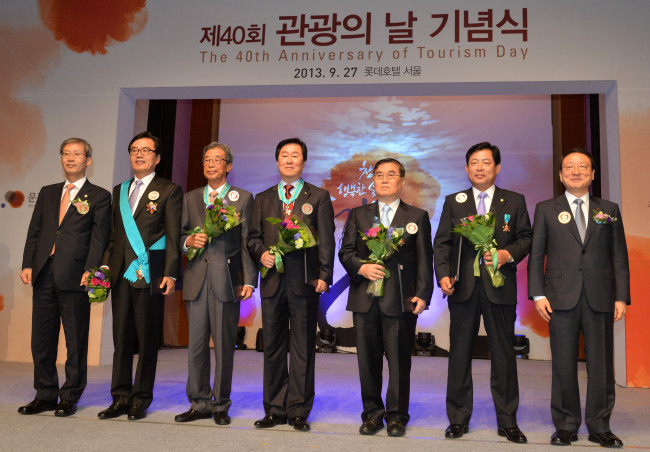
(461, 197)
(152, 207)
(154, 195)
(233, 195)
(307, 208)
(412, 228)
(139, 274)
(506, 219)
(564, 217)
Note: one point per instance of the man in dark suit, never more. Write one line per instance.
(386, 324)
(66, 238)
(292, 296)
(214, 283)
(470, 297)
(579, 277)
(146, 216)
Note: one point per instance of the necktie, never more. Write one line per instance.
(580, 219)
(385, 218)
(287, 191)
(133, 199)
(65, 202)
(213, 196)
(481, 203)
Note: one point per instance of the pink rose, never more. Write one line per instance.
(470, 218)
(372, 232)
(95, 281)
(105, 284)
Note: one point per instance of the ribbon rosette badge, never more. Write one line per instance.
(83, 207)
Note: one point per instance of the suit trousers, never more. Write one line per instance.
(378, 334)
(136, 314)
(206, 317)
(598, 331)
(289, 392)
(53, 307)
(499, 321)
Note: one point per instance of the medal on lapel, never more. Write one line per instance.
(506, 220)
(152, 207)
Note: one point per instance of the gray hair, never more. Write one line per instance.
(88, 150)
(224, 147)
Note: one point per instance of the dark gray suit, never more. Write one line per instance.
(581, 282)
(212, 290)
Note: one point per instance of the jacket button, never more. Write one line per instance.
(58, 232)
(583, 251)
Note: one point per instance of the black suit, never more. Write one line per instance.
(386, 325)
(581, 282)
(135, 310)
(475, 296)
(286, 297)
(58, 298)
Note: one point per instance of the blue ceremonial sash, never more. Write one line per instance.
(135, 239)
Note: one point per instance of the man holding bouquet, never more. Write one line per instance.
(389, 287)
(290, 292)
(214, 283)
(471, 296)
(66, 238)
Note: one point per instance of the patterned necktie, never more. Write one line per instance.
(65, 202)
(385, 218)
(481, 203)
(133, 199)
(213, 196)
(288, 208)
(580, 219)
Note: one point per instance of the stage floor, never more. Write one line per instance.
(335, 417)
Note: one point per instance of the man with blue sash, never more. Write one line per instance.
(214, 283)
(292, 295)
(146, 216)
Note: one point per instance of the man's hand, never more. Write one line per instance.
(543, 307)
(503, 256)
(420, 304)
(26, 276)
(84, 279)
(198, 240)
(246, 292)
(169, 284)
(447, 285)
(267, 259)
(373, 272)
(620, 308)
(321, 286)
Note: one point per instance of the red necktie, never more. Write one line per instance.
(287, 195)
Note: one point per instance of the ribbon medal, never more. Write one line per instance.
(506, 219)
(288, 203)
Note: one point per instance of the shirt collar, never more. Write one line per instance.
(219, 189)
(571, 198)
(146, 180)
(78, 184)
(393, 205)
(489, 191)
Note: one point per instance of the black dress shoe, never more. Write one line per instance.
(116, 409)
(606, 439)
(371, 426)
(455, 431)
(136, 411)
(66, 408)
(37, 406)
(221, 418)
(396, 428)
(270, 420)
(192, 415)
(300, 423)
(563, 438)
(513, 434)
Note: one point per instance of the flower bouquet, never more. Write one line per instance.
(479, 230)
(219, 219)
(99, 283)
(382, 244)
(294, 234)
(602, 218)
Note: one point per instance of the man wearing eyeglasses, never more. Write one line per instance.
(471, 297)
(214, 283)
(291, 297)
(579, 278)
(385, 324)
(66, 238)
(146, 216)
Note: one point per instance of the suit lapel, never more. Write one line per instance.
(594, 203)
(302, 198)
(154, 185)
(85, 190)
(400, 217)
(498, 202)
(372, 213)
(562, 205)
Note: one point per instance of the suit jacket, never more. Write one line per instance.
(600, 265)
(309, 264)
(165, 220)
(80, 239)
(411, 267)
(230, 246)
(515, 239)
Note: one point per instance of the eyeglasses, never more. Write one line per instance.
(389, 176)
(572, 168)
(141, 151)
(74, 155)
(215, 161)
